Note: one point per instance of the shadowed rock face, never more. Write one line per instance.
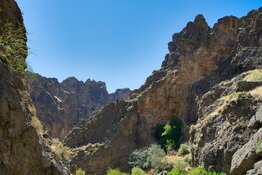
(60, 106)
(23, 150)
(200, 58)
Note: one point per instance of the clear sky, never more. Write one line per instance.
(119, 42)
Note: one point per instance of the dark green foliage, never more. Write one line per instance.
(168, 135)
(13, 46)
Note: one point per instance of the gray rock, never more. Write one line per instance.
(257, 169)
(245, 158)
(256, 121)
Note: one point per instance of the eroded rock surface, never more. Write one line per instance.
(60, 106)
(23, 150)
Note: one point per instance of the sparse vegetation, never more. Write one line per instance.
(169, 135)
(61, 151)
(13, 46)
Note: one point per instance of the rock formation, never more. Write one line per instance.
(211, 79)
(204, 80)
(60, 106)
(23, 149)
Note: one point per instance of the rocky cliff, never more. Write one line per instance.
(60, 106)
(206, 81)
(23, 149)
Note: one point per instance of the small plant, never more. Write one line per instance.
(151, 157)
(137, 171)
(184, 149)
(115, 171)
(259, 147)
(188, 158)
(79, 172)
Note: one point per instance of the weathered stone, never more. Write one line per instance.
(23, 150)
(256, 121)
(257, 169)
(245, 158)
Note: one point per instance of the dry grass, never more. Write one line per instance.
(37, 125)
(61, 151)
(257, 92)
(254, 75)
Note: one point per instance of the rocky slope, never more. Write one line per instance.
(204, 80)
(23, 150)
(60, 106)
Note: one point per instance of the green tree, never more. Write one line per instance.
(169, 135)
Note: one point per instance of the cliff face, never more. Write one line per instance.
(202, 62)
(60, 106)
(23, 150)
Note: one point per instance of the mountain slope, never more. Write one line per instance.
(200, 58)
(60, 106)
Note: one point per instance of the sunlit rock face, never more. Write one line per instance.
(202, 60)
(23, 149)
(60, 106)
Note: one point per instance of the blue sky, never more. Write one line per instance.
(119, 42)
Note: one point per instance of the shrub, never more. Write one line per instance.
(188, 159)
(137, 171)
(197, 171)
(168, 135)
(176, 171)
(80, 172)
(138, 158)
(151, 157)
(184, 149)
(116, 171)
(181, 165)
(202, 171)
(193, 171)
